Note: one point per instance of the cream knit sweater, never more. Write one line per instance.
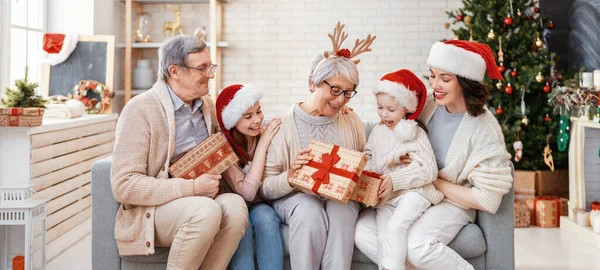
(144, 144)
(286, 145)
(385, 149)
(477, 158)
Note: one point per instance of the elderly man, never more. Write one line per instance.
(154, 130)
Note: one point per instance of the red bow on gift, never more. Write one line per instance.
(328, 160)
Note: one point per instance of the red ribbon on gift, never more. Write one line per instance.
(371, 174)
(546, 198)
(325, 167)
(595, 205)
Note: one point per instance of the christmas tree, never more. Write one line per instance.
(23, 96)
(517, 33)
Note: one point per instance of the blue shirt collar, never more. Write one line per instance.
(178, 103)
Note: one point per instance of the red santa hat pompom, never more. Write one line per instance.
(410, 92)
(57, 48)
(468, 59)
(232, 103)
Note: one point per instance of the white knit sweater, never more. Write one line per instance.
(477, 158)
(384, 150)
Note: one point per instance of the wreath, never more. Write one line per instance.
(95, 96)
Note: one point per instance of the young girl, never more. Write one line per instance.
(406, 191)
(240, 118)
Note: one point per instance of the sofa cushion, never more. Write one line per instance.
(161, 255)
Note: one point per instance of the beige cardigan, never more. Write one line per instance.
(286, 145)
(477, 158)
(144, 144)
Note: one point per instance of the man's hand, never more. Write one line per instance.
(207, 185)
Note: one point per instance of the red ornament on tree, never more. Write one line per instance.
(459, 17)
(536, 9)
(499, 111)
(547, 118)
(551, 25)
(547, 88)
(514, 73)
(508, 20)
(508, 89)
(501, 68)
(559, 76)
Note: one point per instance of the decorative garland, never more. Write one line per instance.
(92, 104)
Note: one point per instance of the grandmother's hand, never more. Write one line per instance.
(302, 159)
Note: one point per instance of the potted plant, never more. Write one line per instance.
(22, 106)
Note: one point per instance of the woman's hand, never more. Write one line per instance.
(405, 159)
(268, 133)
(302, 159)
(346, 109)
(385, 190)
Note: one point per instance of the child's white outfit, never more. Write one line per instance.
(413, 192)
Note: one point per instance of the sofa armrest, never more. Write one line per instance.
(105, 254)
(498, 231)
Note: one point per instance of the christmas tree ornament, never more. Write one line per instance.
(559, 76)
(547, 118)
(499, 85)
(508, 20)
(501, 67)
(547, 88)
(518, 146)
(525, 120)
(519, 13)
(514, 73)
(500, 52)
(508, 89)
(499, 111)
(539, 43)
(468, 20)
(491, 35)
(459, 17)
(447, 25)
(470, 34)
(551, 25)
(563, 133)
(536, 9)
(539, 77)
(548, 159)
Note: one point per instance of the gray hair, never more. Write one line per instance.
(174, 51)
(323, 69)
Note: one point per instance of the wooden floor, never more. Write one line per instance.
(535, 249)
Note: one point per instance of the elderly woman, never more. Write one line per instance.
(321, 231)
(154, 130)
(474, 167)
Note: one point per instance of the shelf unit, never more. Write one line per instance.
(214, 29)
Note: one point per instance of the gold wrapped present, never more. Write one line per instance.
(213, 156)
(522, 215)
(546, 211)
(367, 189)
(332, 173)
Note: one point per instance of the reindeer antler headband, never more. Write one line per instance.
(339, 36)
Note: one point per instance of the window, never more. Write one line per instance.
(24, 24)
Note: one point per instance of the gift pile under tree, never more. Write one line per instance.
(517, 33)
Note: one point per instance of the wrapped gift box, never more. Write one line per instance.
(367, 189)
(548, 183)
(213, 156)
(21, 117)
(524, 185)
(332, 173)
(546, 211)
(522, 215)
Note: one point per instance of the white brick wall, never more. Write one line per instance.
(273, 42)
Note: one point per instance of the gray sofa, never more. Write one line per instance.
(488, 244)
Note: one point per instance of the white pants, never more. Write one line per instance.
(393, 220)
(427, 238)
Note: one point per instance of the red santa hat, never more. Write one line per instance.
(57, 48)
(468, 59)
(410, 92)
(232, 103)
